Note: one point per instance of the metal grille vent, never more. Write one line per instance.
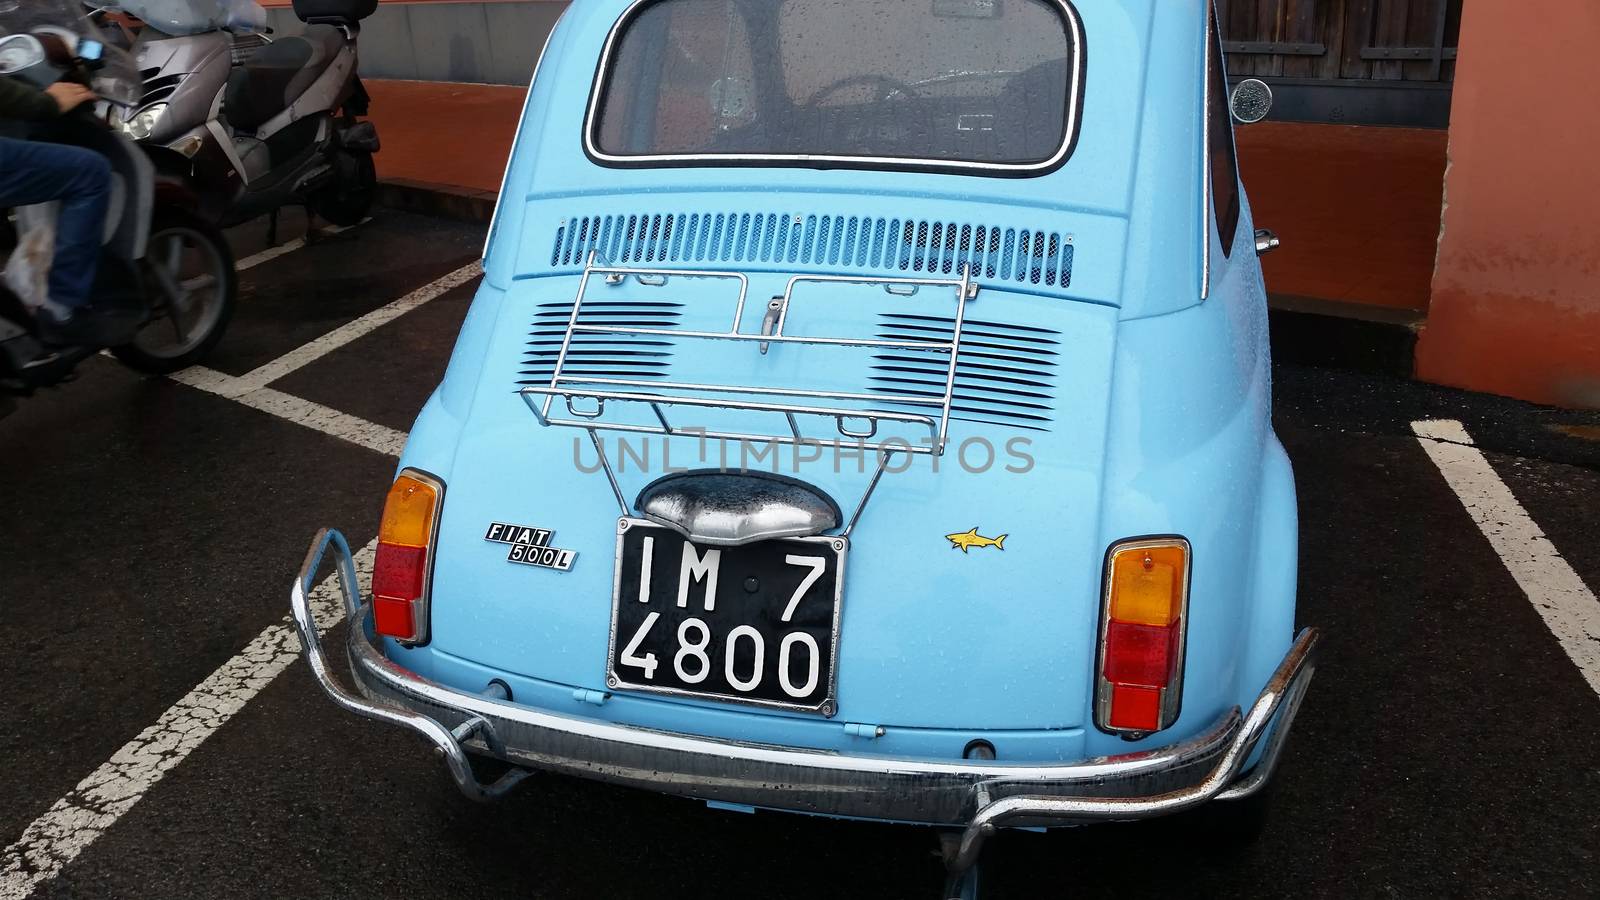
(156, 89)
(936, 248)
(600, 355)
(1005, 374)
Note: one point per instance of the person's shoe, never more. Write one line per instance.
(30, 364)
(90, 325)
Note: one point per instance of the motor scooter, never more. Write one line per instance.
(165, 285)
(256, 121)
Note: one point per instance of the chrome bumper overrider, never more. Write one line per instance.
(978, 796)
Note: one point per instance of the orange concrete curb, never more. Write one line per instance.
(449, 201)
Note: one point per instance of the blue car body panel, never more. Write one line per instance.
(1158, 421)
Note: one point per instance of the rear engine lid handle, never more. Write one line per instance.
(730, 509)
(769, 322)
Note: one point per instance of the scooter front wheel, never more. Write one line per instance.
(191, 282)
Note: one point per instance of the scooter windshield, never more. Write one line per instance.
(113, 74)
(25, 16)
(116, 75)
(180, 17)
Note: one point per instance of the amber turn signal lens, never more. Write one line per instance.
(1147, 584)
(408, 513)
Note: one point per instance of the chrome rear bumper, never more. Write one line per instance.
(977, 796)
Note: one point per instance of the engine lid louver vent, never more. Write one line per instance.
(996, 254)
(1006, 374)
(600, 355)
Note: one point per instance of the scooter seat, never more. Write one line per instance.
(277, 74)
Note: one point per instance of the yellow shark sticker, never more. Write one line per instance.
(966, 540)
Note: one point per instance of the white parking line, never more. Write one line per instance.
(327, 420)
(68, 828)
(1566, 604)
(272, 253)
(348, 332)
(251, 388)
(237, 386)
(300, 411)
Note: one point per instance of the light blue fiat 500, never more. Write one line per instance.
(865, 412)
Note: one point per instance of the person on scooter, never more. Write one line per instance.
(36, 172)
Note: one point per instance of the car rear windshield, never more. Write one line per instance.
(942, 84)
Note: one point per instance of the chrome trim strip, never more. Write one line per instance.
(424, 616)
(1284, 690)
(866, 496)
(605, 463)
(978, 795)
(1272, 754)
(1212, 49)
(444, 741)
(591, 122)
(658, 400)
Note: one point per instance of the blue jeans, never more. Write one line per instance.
(34, 172)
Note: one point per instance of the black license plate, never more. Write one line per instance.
(752, 624)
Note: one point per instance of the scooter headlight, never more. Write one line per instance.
(143, 123)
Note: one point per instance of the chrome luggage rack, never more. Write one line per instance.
(858, 417)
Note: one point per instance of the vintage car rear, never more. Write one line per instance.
(865, 412)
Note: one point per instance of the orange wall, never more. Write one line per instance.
(1516, 291)
(1357, 208)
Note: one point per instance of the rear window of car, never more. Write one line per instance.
(943, 84)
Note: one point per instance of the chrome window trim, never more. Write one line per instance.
(516, 137)
(1206, 193)
(1069, 138)
(1172, 694)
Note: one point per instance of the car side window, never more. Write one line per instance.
(1224, 161)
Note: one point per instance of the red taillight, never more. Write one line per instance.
(1139, 654)
(398, 575)
(1135, 708)
(400, 570)
(1140, 675)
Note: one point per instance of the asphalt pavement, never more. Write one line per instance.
(152, 526)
